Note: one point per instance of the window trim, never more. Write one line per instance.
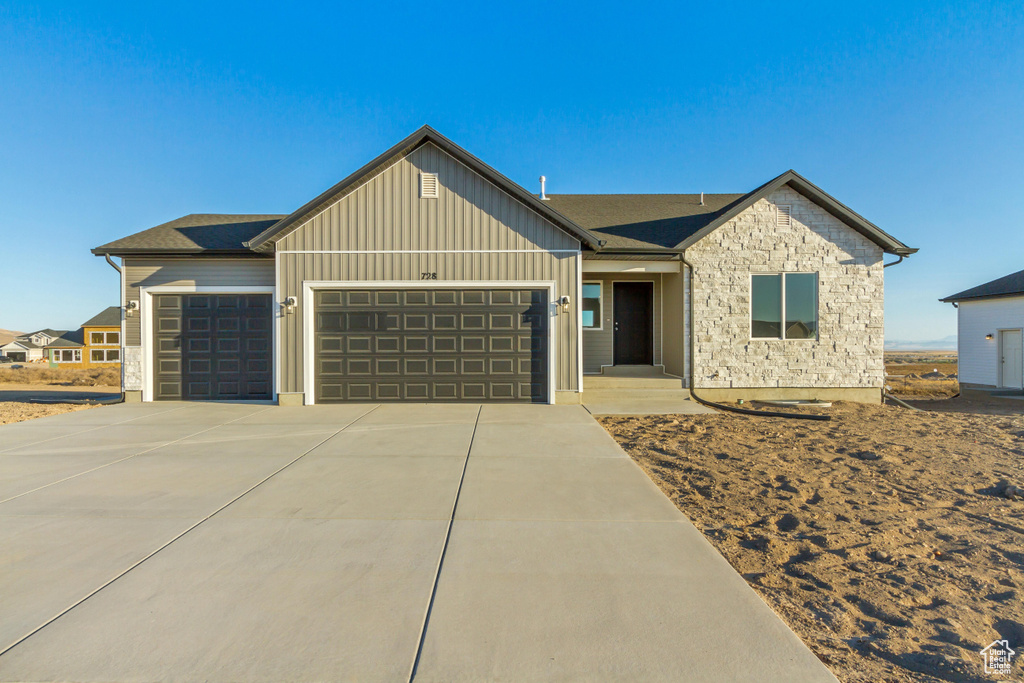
(600, 299)
(782, 326)
(76, 356)
(106, 355)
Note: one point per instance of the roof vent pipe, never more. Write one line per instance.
(702, 199)
(543, 196)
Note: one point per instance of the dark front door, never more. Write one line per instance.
(634, 323)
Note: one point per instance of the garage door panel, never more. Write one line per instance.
(426, 345)
(212, 346)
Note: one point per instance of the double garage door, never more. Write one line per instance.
(431, 345)
(210, 347)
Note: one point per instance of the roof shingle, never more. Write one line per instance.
(195, 233)
(1008, 285)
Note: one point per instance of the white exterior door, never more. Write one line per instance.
(1011, 359)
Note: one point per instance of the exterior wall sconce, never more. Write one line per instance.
(564, 303)
(988, 336)
(130, 307)
(290, 303)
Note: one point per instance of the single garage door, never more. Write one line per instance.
(432, 345)
(212, 347)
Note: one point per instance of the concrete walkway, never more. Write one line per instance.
(155, 542)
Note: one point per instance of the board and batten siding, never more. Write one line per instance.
(386, 214)
(189, 272)
(384, 231)
(979, 357)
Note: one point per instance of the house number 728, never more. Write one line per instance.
(428, 276)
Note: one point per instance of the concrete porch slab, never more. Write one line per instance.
(646, 406)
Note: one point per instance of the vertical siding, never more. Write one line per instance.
(561, 268)
(386, 213)
(598, 347)
(979, 357)
(198, 272)
(673, 324)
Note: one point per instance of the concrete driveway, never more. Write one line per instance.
(146, 542)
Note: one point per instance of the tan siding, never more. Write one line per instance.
(387, 213)
(189, 272)
(674, 324)
(540, 266)
(598, 344)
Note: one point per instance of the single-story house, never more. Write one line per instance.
(990, 322)
(30, 347)
(96, 342)
(426, 275)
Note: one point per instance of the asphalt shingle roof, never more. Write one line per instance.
(641, 221)
(195, 233)
(108, 317)
(72, 339)
(1007, 285)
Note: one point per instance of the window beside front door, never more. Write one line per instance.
(591, 308)
(784, 306)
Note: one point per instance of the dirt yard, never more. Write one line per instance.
(17, 411)
(922, 374)
(20, 387)
(885, 537)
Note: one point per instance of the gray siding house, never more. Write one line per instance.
(426, 275)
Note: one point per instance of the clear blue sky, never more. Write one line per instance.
(117, 117)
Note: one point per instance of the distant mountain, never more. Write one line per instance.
(8, 335)
(947, 344)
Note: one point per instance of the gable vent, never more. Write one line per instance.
(428, 185)
(784, 218)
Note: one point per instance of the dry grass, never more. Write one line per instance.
(107, 376)
(907, 374)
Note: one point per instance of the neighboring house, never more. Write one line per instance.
(97, 342)
(427, 275)
(30, 347)
(990, 322)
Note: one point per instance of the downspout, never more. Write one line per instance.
(121, 335)
(112, 264)
(693, 374)
(894, 263)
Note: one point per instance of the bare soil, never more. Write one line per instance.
(882, 537)
(17, 411)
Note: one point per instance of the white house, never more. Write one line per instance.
(990, 322)
(29, 347)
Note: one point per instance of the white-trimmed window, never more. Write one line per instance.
(105, 355)
(592, 308)
(67, 355)
(784, 306)
(105, 338)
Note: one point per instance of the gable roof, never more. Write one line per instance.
(23, 343)
(72, 339)
(196, 233)
(47, 331)
(677, 221)
(108, 317)
(1008, 285)
(265, 240)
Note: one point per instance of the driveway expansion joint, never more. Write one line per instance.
(444, 549)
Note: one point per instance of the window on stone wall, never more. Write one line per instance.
(592, 305)
(784, 306)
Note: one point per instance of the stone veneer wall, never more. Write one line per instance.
(131, 364)
(848, 351)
